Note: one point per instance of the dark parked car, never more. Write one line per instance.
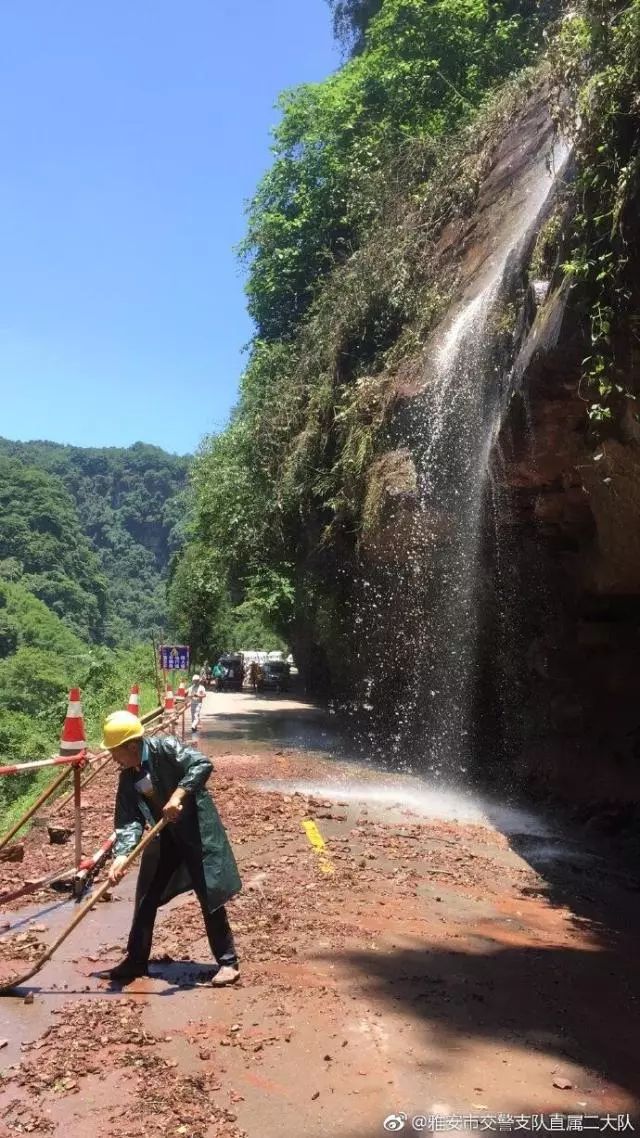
(233, 669)
(274, 676)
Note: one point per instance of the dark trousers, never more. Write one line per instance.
(217, 925)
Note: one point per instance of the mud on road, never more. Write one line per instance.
(404, 950)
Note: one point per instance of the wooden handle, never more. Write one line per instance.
(83, 910)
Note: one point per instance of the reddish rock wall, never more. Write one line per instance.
(558, 700)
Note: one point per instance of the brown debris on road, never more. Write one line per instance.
(99, 1037)
(402, 963)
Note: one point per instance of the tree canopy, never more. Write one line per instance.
(423, 69)
(350, 20)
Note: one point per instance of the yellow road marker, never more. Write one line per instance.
(317, 841)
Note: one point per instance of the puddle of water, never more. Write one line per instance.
(305, 733)
(60, 978)
(54, 915)
(105, 917)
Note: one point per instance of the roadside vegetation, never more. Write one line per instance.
(34, 689)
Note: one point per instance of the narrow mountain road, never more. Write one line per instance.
(406, 952)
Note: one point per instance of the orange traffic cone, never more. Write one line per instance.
(134, 700)
(73, 739)
(182, 691)
(169, 702)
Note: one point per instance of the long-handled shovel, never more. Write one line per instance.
(82, 912)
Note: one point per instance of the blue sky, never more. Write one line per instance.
(133, 131)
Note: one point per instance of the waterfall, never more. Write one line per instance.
(454, 426)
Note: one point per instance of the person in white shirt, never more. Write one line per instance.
(197, 692)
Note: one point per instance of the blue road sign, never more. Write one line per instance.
(174, 658)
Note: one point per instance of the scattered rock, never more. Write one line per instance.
(562, 1084)
(59, 835)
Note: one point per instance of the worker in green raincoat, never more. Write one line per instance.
(162, 779)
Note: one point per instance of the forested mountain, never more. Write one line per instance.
(129, 505)
(42, 546)
(86, 538)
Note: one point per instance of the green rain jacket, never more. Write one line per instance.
(170, 765)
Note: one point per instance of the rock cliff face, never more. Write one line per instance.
(570, 518)
(555, 664)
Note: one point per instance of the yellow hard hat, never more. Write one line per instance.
(120, 727)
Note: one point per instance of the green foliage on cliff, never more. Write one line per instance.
(598, 54)
(423, 68)
(130, 505)
(344, 279)
(218, 607)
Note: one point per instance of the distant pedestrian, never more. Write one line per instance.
(197, 692)
(254, 675)
(219, 676)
